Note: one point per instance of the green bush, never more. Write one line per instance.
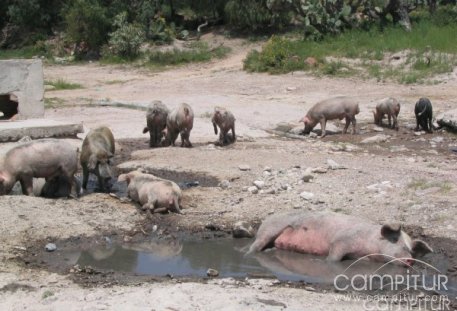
(445, 15)
(87, 26)
(253, 15)
(126, 40)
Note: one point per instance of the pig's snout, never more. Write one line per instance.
(104, 169)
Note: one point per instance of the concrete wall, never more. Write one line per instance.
(24, 79)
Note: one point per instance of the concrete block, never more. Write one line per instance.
(37, 128)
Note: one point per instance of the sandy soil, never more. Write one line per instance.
(408, 178)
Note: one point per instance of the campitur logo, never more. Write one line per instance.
(405, 289)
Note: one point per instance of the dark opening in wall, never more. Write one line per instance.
(8, 106)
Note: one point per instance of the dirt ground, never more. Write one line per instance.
(408, 178)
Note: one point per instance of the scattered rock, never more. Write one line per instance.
(310, 289)
(244, 167)
(154, 228)
(224, 184)
(334, 166)
(307, 195)
(212, 273)
(50, 247)
(24, 139)
(260, 184)
(270, 191)
(267, 169)
(378, 129)
(253, 190)
(307, 177)
(437, 139)
(242, 229)
(266, 174)
(419, 133)
(312, 135)
(291, 88)
(380, 138)
(319, 170)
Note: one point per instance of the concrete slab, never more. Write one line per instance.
(37, 128)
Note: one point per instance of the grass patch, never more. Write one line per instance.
(61, 84)
(428, 50)
(198, 52)
(22, 53)
(422, 184)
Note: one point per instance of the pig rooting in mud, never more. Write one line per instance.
(96, 154)
(225, 120)
(154, 194)
(424, 115)
(338, 237)
(45, 158)
(180, 121)
(156, 121)
(390, 107)
(330, 109)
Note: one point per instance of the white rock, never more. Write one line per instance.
(253, 190)
(260, 184)
(380, 138)
(307, 195)
(334, 166)
(244, 167)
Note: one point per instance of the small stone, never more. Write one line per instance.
(307, 177)
(307, 195)
(224, 184)
(380, 138)
(244, 167)
(260, 184)
(319, 170)
(270, 191)
(266, 174)
(212, 272)
(154, 228)
(312, 135)
(334, 166)
(50, 247)
(127, 238)
(24, 139)
(378, 129)
(310, 289)
(253, 189)
(242, 229)
(291, 88)
(267, 169)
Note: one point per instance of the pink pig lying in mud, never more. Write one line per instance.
(338, 237)
(330, 109)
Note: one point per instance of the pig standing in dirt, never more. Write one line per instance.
(333, 108)
(338, 237)
(179, 121)
(390, 107)
(153, 193)
(225, 120)
(424, 115)
(46, 158)
(96, 154)
(156, 120)
(56, 187)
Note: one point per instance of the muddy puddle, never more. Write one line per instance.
(192, 258)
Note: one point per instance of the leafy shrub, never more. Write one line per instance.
(126, 40)
(445, 15)
(253, 15)
(87, 26)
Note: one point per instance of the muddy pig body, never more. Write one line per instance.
(333, 108)
(46, 158)
(337, 237)
(96, 154)
(153, 193)
(156, 121)
(390, 107)
(424, 115)
(225, 120)
(180, 121)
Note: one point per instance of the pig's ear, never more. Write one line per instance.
(419, 248)
(124, 177)
(92, 162)
(391, 232)
(145, 130)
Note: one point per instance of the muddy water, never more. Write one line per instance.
(192, 258)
